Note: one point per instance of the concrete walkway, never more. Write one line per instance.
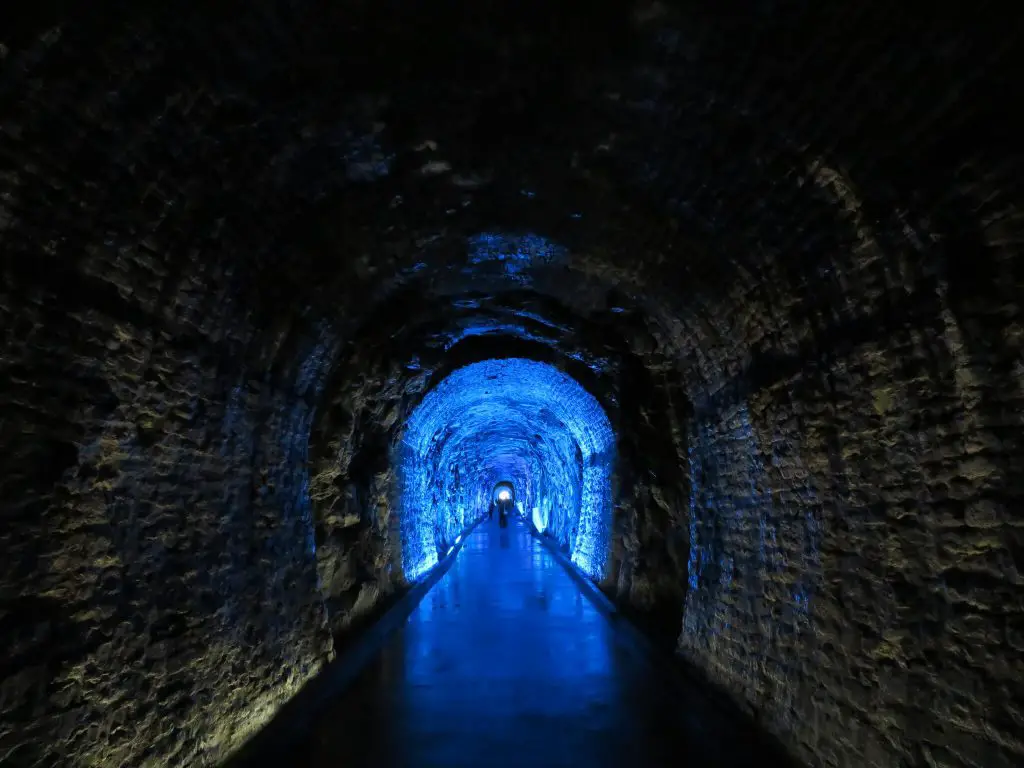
(506, 663)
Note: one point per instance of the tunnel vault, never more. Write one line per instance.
(780, 249)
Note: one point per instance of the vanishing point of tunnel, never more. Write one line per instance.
(538, 383)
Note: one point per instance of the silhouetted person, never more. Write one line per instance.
(504, 508)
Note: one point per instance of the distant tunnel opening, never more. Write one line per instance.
(504, 491)
(516, 424)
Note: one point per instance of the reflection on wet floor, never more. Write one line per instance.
(506, 663)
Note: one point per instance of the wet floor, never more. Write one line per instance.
(506, 663)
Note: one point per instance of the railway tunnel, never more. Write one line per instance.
(727, 294)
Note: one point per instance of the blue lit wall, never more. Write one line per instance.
(514, 254)
(512, 420)
(755, 548)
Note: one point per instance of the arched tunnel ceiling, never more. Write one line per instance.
(777, 241)
(471, 153)
(503, 400)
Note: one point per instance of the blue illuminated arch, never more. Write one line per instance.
(513, 420)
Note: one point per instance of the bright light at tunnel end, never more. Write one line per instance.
(504, 495)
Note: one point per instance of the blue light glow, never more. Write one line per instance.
(539, 522)
(492, 328)
(514, 422)
(514, 254)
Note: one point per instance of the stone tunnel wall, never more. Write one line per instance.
(354, 485)
(560, 494)
(857, 555)
(650, 541)
(159, 581)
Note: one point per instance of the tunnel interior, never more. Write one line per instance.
(729, 292)
(520, 424)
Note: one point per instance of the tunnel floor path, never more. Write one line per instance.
(505, 662)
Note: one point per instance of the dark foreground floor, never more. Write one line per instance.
(506, 663)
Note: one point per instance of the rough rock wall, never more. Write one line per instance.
(856, 563)
(353, 483)
(159, 591)
(559, 492)
(650, 545)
